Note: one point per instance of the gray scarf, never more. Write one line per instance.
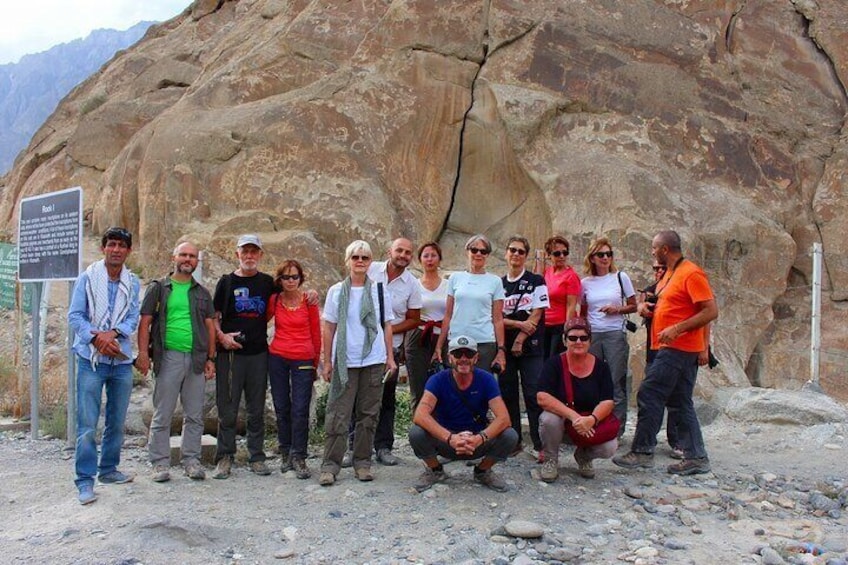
(368, 319)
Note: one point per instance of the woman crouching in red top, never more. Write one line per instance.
(292, 363)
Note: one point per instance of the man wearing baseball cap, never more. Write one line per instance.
(241, 301)
(451, 420)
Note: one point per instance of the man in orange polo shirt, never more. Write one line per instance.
(685, 305)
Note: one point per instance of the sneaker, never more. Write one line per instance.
(223, 468)
(326, 479)
(300, 468)
(285, 462)
(676, 453)
(347, 460)
(86, 494)
(115, 478)
(490, 479)
(160, 474)
(386, 457)
(430, 477)
(632, 460)
(364, 474)
(550, 470)
(690, 467)
(260, 468)
(584, 466)
(195, 471)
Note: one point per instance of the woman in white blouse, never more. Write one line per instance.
(607, 296)
(420, 343)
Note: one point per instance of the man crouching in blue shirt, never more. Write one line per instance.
(104, 312)
(451, 420)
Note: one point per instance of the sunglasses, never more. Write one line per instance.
(478, 251)
(658, 269)
(289, 277)
(463, 353)
(559, 253)
(517, 250)
(602, 254)
(574, 338)
(360, 257)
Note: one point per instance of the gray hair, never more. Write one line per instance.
(479, 237)
(355, 246)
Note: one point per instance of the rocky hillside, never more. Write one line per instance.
(31, 88)
(314, 123)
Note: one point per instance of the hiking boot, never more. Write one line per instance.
(690, 467)
(326, 479)
(584, 466)
(260, 468)
(430, 477)
(347, 460)
(386, 457)
(160, 474)
(633, 460)
(364, 474)
(550, 470)
(86, 494)
(676, 453)
(490, 479)
(115, 478)
(195, 471)
(223, 468)
(301, 471)
(285, 462)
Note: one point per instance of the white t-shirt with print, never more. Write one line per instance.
(601, 291)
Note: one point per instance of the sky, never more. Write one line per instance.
(32, 26)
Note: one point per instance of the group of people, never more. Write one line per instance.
(472, 344)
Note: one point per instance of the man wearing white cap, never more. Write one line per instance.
(451, 420)
(241, 301)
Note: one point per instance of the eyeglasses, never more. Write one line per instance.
(466, 353)
(574, 338)
(559, 253)
(602, 254)
(289, 277)
(517, 251)
(478, 251)
(360, 257)
(658, 269)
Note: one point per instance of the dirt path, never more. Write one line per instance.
(771, 486)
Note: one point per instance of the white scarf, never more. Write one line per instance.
(97, 292)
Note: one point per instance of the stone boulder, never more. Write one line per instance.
(314, 124)
(798, 407)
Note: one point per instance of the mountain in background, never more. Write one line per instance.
(31, 88)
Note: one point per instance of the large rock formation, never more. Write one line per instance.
(314, 123)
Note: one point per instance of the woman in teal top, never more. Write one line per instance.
(475, 307)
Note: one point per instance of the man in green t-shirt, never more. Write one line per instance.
(177, 330)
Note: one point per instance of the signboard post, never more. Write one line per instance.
(49, 248)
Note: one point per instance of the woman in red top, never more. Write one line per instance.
(292, 364)
(563, 292)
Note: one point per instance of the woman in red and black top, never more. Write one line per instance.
(563, 292)
(292, 364)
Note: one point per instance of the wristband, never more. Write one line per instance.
(484, 435)
(447, 441)
(502, 348)
(596, 419)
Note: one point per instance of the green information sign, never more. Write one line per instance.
(8, 278)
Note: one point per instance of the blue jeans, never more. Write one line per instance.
(118, 382)
(670, 380)
(291, 390)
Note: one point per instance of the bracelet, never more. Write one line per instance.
(210, 359)
(447, 441)
(502, 348)
(596, 419)
(484, 435)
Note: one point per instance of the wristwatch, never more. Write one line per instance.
(212, 359)
(502, 348)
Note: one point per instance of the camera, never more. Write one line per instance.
(240, 338)
(651, 301)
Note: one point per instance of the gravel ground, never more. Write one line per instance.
(773, 488)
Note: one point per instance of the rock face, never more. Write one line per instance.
(317, 123)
